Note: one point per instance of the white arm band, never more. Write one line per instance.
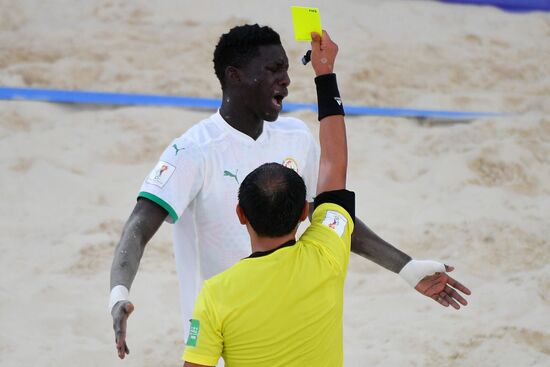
(415, 270)
(118, 293)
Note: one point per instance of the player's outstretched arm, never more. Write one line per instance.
(366, 243)
(145, 220)
(430, 279)
(332, 130)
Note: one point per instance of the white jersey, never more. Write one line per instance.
(197, 181)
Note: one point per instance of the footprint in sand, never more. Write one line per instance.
(491, 172)
(536, 339)
(22, 165)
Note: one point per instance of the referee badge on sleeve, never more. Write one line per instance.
(161, 174)
(193, 333)
(335, 221)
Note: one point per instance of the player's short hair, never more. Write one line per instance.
(240, 45)
(272, 198)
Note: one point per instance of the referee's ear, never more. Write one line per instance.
(240, 214)
(305, 212)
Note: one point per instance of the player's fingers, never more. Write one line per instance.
(449, 300)
(457, 285)
(120, 339)
(455, 295)
(120, 347)
(440, 300)
(449, 268)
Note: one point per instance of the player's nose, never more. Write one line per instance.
(285, 79)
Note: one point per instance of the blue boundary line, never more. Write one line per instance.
(106, 98)
(508, 5)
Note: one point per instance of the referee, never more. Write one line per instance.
(282, 305)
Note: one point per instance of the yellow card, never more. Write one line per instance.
(306, 20)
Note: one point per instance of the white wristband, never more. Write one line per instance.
(415, 270)
(118, 293)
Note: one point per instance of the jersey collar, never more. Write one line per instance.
(243, 138)
(264, 253)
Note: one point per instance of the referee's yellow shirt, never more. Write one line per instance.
(281, 309)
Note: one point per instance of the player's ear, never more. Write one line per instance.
(305, 212)
(240, 214)
(232, 75)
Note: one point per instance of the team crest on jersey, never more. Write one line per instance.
(335, 221)
(161, 174)
(290, 163)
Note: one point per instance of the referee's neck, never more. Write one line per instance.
(262, 244)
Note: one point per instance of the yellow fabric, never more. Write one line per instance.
(281, 309)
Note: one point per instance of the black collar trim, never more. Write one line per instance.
(264, 253)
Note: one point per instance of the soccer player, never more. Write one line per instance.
(195, 183)
(283, 305)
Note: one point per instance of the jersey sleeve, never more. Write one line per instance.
(311, 169)
(176, 178)
(205, 341)
(331, 228)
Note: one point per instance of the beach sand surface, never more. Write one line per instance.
(473, 194)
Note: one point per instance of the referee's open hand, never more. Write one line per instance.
(120, 312)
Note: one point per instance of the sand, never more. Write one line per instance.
(474, 194)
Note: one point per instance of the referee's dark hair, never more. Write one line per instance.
(240, 45)
(272, 197)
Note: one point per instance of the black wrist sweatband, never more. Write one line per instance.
(328, 96)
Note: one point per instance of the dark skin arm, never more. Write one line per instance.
(440, 287)
(143, 223)
(332, 175)
(367, 244)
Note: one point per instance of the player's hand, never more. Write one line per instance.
(443, 289)
(120, 312)
(323, 53)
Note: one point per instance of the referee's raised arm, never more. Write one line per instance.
(332, 132)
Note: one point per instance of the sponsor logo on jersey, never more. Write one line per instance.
(290, 163)
(335, 221)
(177, 149)
(193, 333)
(234, 175)
(161, 174)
